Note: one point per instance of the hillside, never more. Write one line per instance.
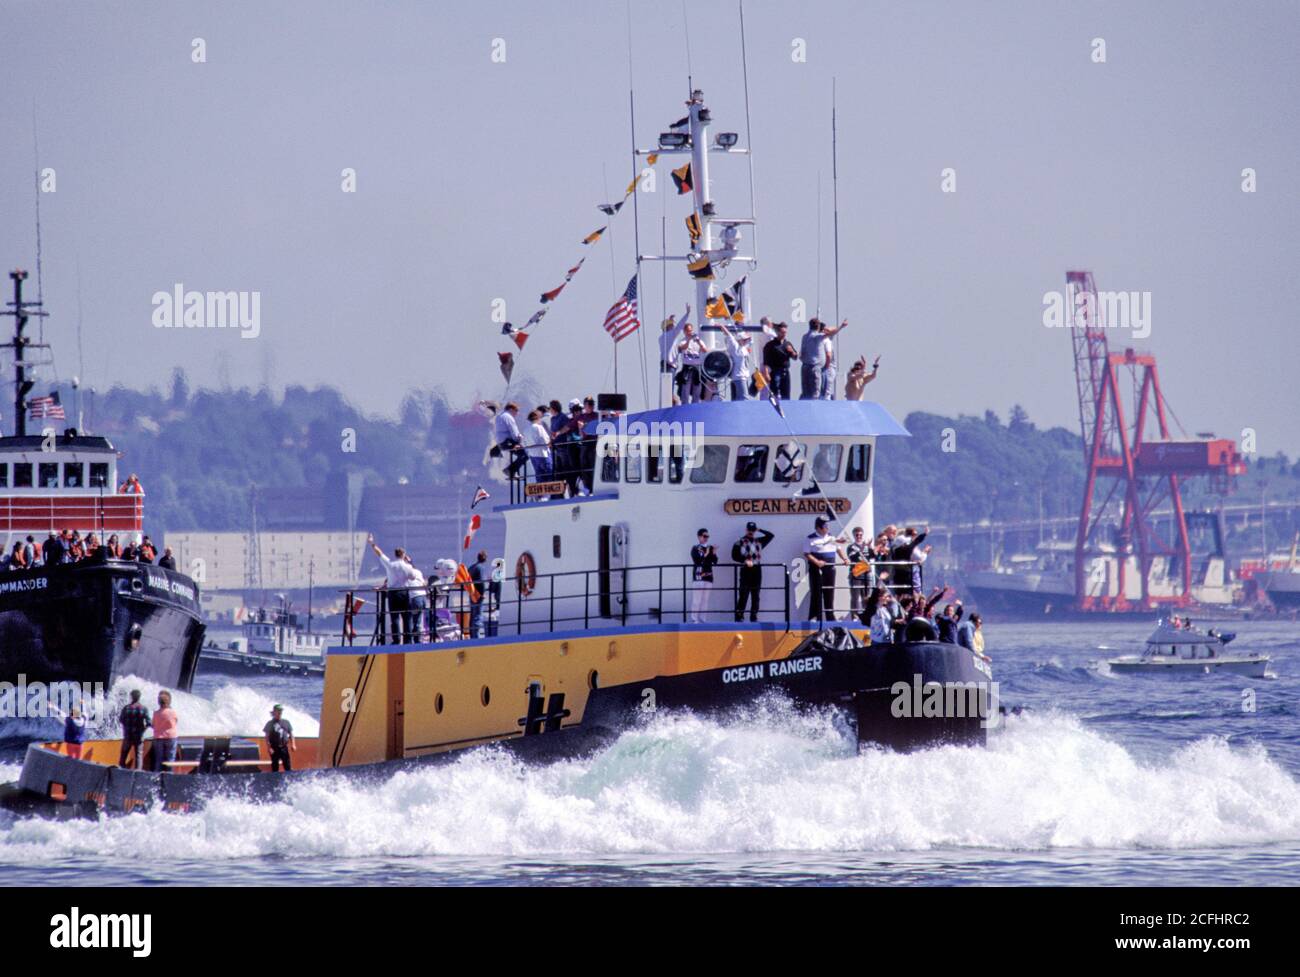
(199, 452)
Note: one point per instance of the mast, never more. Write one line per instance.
(21, 312)
(835, 206)
(700, 118)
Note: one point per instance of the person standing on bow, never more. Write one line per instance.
(822, 552)
(279, 740)
(747, 554)
(704, 558)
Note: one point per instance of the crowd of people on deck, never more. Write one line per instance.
(682, 353)
(556, 443)
(884, 583)
(552, 443)
(70, 546)
(451, 601)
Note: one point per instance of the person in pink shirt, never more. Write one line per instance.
(164, 733)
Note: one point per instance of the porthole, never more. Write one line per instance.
(593, 680)
(437, 703)
(485, 696)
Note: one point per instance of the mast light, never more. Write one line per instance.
(674, 140)
(725, 140)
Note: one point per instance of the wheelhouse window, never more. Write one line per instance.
(72, 472)
(4, 475)
(711, 467)
(99, 474)
(609, 465)
(48, 472)
(791, 459)
(654, 470)
(751, 463)
(676, 463)
(826, 462)
(632, 464)
(23, 474)
(858, 468)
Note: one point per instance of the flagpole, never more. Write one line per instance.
(749, 141)
(636, 212)
(835, 203)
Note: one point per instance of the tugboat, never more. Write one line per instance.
(90, 622)
(273, 641)
(602, 623)
(1174, 650)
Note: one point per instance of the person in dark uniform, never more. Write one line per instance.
(135, 720)
(279, 739)
(747, 554)
(777, 354)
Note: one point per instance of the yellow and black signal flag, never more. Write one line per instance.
(736, 300)
(694, 229)
(631, 188)
(682, 177)
(594, 236)
(728, 305)
(700, 267)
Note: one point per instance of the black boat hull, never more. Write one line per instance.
(93, 623)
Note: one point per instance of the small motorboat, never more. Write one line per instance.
(1177, 649)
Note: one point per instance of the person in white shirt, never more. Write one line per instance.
(538, 446)
(417, 594)
(882, 622)
(398, 577)
(742, 366)
(690, 382)
(672, 329)
(509, 438)
(828, 364)
(822, 550)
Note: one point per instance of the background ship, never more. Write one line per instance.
(1279, 579)
(96, 620)
(1137, 548)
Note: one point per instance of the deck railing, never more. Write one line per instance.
(41, 513)
(585, 599)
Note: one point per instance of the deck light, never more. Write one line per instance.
(725, 140)
(674, 140)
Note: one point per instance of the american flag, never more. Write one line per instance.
(46, 407)
(621, 320)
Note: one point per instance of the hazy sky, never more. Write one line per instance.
(476, 181)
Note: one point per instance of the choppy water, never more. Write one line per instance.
(1106, 779)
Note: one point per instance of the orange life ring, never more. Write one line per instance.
(526, 574)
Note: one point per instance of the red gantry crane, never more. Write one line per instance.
(1133, 471)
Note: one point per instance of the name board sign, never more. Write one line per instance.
(809, 506)
(544, 488)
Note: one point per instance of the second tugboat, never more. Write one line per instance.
(92, 621)
(604, 620)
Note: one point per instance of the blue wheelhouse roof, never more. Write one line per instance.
(757, 418)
